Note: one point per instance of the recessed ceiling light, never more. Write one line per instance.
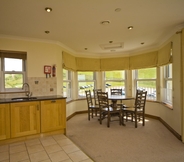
(130, 27)
(48, 9)
(106, 22)
(118, 9)
(47, 32)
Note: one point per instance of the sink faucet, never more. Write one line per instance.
(28, 94)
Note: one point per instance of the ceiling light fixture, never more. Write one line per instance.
(142, 43)
(86, 48)
(47, 32)
(106, 22)
(130, 27)
(118, 9)
(48, 9)
(110, 41)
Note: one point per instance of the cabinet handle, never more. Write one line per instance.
(53, 101)
(38, 107)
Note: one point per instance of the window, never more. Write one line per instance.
(146, 80)
(86, 81)
(115, 79)
(13, 72)
(167, 90)
(67, 83)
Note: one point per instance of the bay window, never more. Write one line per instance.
(86, 81)
(115, 80)
(145, 79)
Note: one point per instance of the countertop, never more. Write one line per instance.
(33, 98)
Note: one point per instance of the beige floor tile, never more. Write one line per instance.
(78, 156)
(70, 148)
(64, 142)
(4, 148)
(17, 148)
(4, 156)
(17, 143)
(48, 141)
(58, 156)
(39, 156)
(34, 148)
(32, 142)
(59, 137)
(53, 148)
(20, 156)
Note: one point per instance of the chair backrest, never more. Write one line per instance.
(103, 99)
(140, 100)
(116, 91)
(89, 98)
(96, 96)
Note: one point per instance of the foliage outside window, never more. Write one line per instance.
(67, 84)
(167, 90)
(115, 79)
(86, 81)
(12, 74)
(146, 80)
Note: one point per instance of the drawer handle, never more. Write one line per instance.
(53, 101)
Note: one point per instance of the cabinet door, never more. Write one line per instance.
(25, 118)
(4, 121)
(53, 115)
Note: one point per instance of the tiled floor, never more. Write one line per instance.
(56, 148)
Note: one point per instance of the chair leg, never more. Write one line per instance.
(135, 120)
(92, 113)
(88, 114)
(143, 119)
(108, 120)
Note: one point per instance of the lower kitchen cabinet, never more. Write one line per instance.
(53, 115)
(25, 118)
(4, 121)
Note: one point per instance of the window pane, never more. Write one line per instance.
(115, 75)
(13, 64)
(115, 85)
(149, 86)
(82, 76)
(149, 73)
(67, 89)
(66, 75)
(83, 86)
(13, 80)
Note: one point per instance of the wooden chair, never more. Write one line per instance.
(96, 98)
(91, 106)
(106, 109)
(138, 110)
(116, 91)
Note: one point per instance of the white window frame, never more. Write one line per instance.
(167, 92)
(68, 82)
(151, 93)
(107, 88)
(3, 73)
(86, 88)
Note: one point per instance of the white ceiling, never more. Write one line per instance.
(76, 24)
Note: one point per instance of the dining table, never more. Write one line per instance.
(115, 98)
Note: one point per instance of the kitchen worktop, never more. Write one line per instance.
(33, 98)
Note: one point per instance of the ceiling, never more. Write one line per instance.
(76, 24)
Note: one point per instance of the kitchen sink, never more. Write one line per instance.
(23, 98)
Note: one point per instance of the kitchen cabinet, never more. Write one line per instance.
(25, 118)
(4, 121)
(53, 115)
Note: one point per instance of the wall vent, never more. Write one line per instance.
(111, 46)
